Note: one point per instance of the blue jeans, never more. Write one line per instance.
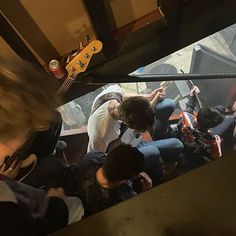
(152, 162)
(163, 111)
(169, 148)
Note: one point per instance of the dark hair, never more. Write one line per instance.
(209, 117)
(137, 113)
(123, 162)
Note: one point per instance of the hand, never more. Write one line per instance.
(56, 192)
(195, 90)
(12, 171)
(161, 95)
(146, 181)
(234, 107)
(218, 139)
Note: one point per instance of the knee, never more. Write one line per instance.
(167, 105)
(170, 104)
(152, 153)
(177, 145)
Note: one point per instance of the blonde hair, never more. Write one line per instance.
(27, 97)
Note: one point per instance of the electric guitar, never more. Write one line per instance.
(77, 65)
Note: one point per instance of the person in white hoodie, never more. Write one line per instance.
(113, 106)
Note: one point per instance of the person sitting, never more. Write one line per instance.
(112, 107)
(25, 210)
(27, 104)
(227, 129)
(202, 133)
(102, 180)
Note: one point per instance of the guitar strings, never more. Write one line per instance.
(20, 152)
(66, 86)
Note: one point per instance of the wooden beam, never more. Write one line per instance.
(15, 42)
(98, 14)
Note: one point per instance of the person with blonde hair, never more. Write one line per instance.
(27, 104)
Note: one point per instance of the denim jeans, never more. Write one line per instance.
(163, 111)
(169, 148)
(152, 162)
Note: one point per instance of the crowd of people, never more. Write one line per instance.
(55, 194)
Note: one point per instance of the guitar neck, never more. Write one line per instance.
(65, 86)
(20, 153)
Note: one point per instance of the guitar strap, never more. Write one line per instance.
(106, 97)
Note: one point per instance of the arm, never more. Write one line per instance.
(55, 218)
(216, 147)
(146, 181)
(17, 219)
(212, 146)
(142, 182)
(191, 104)
(56, 215)
(149, 96)
(97, 144)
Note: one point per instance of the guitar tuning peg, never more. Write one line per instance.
(86, 55)
(81, 46)
(80, 63)
(87, 38)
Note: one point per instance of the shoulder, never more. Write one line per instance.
(114, 88)
(93, 158)
(111, 89)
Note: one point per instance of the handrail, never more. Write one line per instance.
(96, 78)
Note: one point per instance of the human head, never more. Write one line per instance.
(123, 163)
(27, 97)
(208, 118)
(137, 113)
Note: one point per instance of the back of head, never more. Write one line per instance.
(137, 113)
(27, 96)
(209, 117)
(123, 162)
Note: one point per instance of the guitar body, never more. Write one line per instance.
(28, 161)
(26, 167)
(39, 144)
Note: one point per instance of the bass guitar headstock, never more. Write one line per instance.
(81, 61)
